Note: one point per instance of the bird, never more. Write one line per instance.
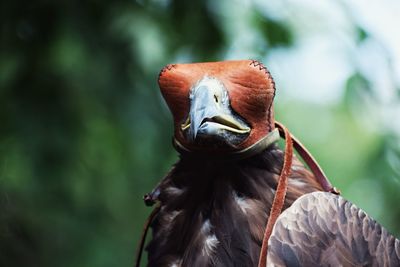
(221, 203)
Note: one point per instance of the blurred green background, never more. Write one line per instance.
(84, 132)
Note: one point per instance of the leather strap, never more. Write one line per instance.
(144, 233)
(258, 147)
(313, 165)
(279, 198)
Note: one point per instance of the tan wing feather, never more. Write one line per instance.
(323, 229)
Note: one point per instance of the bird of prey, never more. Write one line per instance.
(220, 204)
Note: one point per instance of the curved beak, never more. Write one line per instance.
(210, 112)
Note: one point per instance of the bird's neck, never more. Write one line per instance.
(217, 211)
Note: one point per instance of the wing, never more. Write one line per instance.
(323, 229)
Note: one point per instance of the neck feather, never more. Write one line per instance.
(214, 213)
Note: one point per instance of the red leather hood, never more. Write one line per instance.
(250, 87)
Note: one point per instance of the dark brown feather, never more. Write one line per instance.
(222, 204)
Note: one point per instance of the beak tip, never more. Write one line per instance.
(193, 133)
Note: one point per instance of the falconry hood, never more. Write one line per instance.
(220, 107)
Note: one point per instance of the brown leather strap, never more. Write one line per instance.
(280, 194)
(314, 167)
(279, 198)
(271, 138)
(144, 233)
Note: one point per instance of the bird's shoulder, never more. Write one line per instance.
(324, 229)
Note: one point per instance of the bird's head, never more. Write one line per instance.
(219, 106)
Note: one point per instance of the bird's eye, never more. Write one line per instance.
(216, 98)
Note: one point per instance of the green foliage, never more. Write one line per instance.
(276, 33)
(84, 132)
